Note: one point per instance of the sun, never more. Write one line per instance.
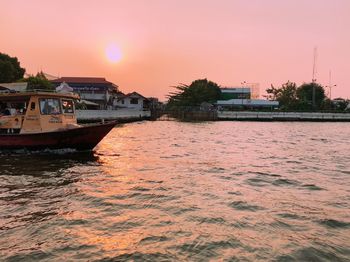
(113, 53)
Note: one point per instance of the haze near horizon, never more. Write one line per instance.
(149, 46)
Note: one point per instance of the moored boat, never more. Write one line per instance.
(40, 120)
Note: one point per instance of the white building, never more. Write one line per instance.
(132, 100)
(94, 89)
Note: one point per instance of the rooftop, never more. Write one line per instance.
(94, 80)
(235, 90)
(14, 96)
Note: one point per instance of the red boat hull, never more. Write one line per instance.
(81, 138)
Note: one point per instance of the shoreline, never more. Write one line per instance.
(129, 116)
(283, 116)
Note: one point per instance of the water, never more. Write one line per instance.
(171, 191)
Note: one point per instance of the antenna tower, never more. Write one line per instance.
(314, 71)
(314, 68)
(330, 85)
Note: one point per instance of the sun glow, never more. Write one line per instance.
(113, 53)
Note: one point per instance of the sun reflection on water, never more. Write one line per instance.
(183, 191)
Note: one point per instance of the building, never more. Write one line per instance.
(132, 100)
(15, 87)
(228, 93)
(247, 103)
(153, 103)
(95, 89)
(243, 97)
(246, 90)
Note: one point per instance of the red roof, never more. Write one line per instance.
(87, 80)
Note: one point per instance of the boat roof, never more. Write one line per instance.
(28, 95)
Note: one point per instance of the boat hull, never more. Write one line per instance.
(80, 138)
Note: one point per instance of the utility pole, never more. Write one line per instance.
(242, 90)
(330, 86)
(314, 70)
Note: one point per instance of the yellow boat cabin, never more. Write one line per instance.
(37, 112)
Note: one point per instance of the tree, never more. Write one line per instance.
(340, 104)
(198, 91)
(38, 82)
(305, 96)
(10, 69)
(292, 97)
(286, 95)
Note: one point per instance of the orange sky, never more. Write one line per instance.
(166, 42)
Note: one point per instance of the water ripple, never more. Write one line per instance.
(172, 191)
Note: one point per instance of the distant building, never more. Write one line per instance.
(132, 100)
(95, 89)
(243, 97)
(228, 93)
(246, 90)
(154, 103)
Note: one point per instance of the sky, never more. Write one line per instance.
(163, 43)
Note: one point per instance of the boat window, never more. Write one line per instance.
(67, 106)
(50, 106)
(32, 105)
(13, 108)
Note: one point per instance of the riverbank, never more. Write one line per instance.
(283, 116)
(121, 115)
(130, 115)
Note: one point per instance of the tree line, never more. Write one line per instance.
(307, 97)
(11, 71)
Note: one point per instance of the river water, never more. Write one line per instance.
(172, 191)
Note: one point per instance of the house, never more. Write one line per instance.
(95, 89)
(132, 100)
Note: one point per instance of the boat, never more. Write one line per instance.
(45, 120)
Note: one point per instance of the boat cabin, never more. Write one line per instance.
(36, 112)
